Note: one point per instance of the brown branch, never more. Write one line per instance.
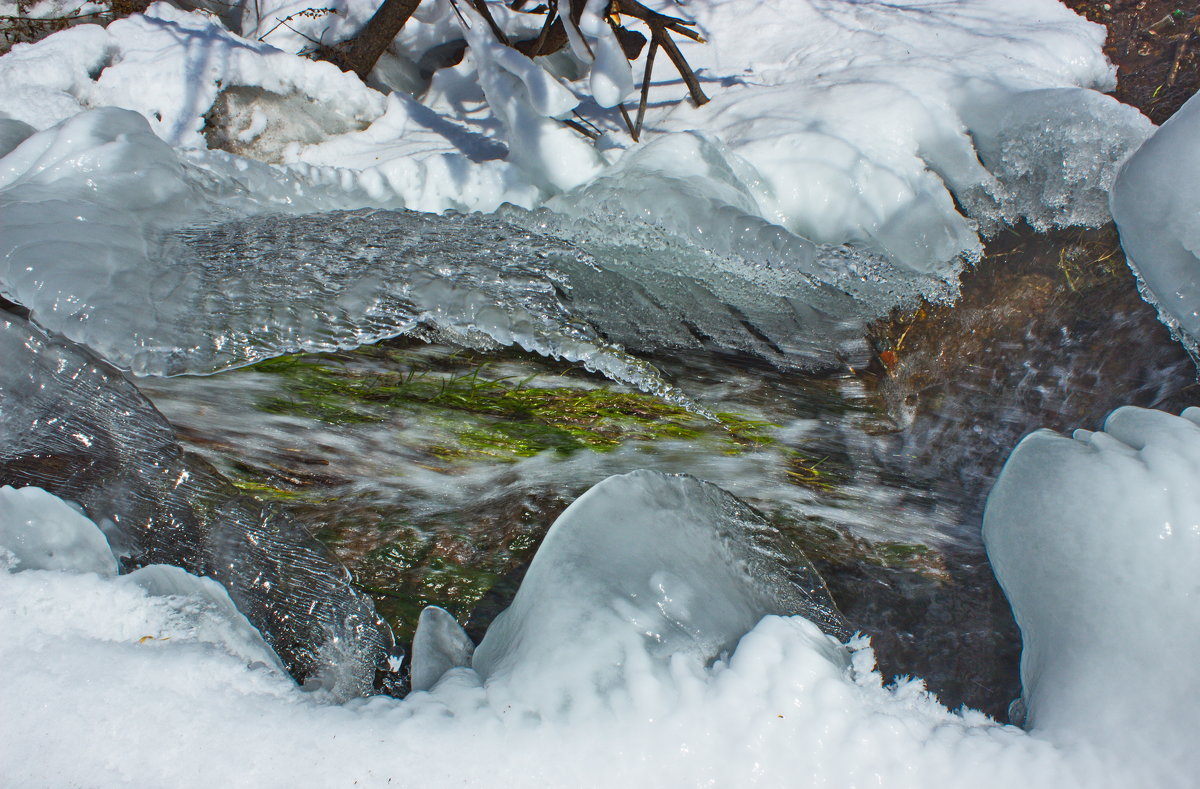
(361, 53)
(641, 116)
(681, 65)
(482, 7)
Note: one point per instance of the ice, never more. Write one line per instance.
(76, 427)
(44, 533)
(12, 133)
(439, 645)
(643, 570)
(149, 270)
(1156, 204)
(1053, 154)
(214, 616)
(1096, 542)
(120, 275)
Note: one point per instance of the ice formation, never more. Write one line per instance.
(643, 566)
(1096, 542)
(71, 424)
(1156, 204)
(439, 645)
(41, 532)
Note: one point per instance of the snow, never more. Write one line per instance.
(1096, 541)
(851, 122)
(167, 694)
(1156, 204)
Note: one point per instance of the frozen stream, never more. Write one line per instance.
(440, 428)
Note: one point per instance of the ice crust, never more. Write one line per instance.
(1156, 205)
(1096, 541)
(73, 425)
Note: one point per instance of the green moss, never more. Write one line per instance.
(496, 417)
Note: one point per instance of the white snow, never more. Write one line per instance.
(848, 121)
(1156, 204)
(160, 693)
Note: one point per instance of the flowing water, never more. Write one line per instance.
(433, 472)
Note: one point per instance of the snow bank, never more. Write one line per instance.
(168, 702)
(1156, 204)
(1096, 542)
(846, 122)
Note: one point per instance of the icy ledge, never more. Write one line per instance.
(110, 238)
(1096, 541)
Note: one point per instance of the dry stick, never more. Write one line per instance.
(651, 17)
(628, 121)
(681, 65)
(551, 15)
(641, 116)
(1179, 53)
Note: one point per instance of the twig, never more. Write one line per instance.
(641, 116)
(1180, 50)
(628, 121)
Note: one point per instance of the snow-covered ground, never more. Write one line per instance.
(825, 180)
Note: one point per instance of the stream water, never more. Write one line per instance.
(433, 472)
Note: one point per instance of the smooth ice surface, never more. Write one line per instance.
(439, 645)
(644, 565)
(73, 425)
(1156, 204)
(1096, 541)
(42, 532)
